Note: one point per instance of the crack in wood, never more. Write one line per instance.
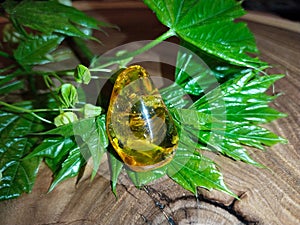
(162, 197)
(162, 201)
(230, 208)
(83, 221)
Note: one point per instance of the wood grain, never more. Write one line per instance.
(267, 196)
(272, 20)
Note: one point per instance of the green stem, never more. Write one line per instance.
(150, 45)
(48, 82)
(19, 109)
(145, 48)
(58, 78)
(54, 110)
(44, 73)
(3, 70)
(5, 55)
(16, 108)
(100, 70)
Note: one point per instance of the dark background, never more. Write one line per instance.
(289, 9)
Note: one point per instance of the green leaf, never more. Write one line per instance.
(193, 118)
(18, 175)
(11, 86)
(82, 74)
(230, 87)
(67, 130)
(54, 151)
(205, 132)
(192, 170)
(37, 49)
(251, 135)
(192, 74)
(93, 133)
(227, 117)
(101, 130)
(139, 179)
(209, 26)
(52, 17)
(229, 146)
(70, 166)
(221, 69)
(116, 167)
(90, 110)
(51, 147)
(90, 135)
(65, 118)
(68, 95)
(241, 99)
(174, 96)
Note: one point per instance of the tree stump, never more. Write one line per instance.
(267, 196)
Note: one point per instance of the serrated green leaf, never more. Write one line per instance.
(174, 96)
(227, 118)
(18, 175)
(209, 26)
(192, 74)
(221, 69)
(193, 118)
(37, 49)
(54, 150)
(230, 147)
(251, 108)
(139, 179)
(202, 131)
(251, 135)
(230, 87)
(51, 147)
(52, 17)
(191, 170)
(226, 138)
(241, 99)
(260, 84)
(93, 133)
(64, 130)
(70, 166)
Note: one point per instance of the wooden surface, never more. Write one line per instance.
(267, 196)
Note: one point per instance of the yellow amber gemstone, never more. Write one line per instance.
(139, 125)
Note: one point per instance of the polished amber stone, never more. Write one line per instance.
(139, 125)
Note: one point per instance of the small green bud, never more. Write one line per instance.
(90, 110)
(65, 118)
(68, 95)
(82, 74)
